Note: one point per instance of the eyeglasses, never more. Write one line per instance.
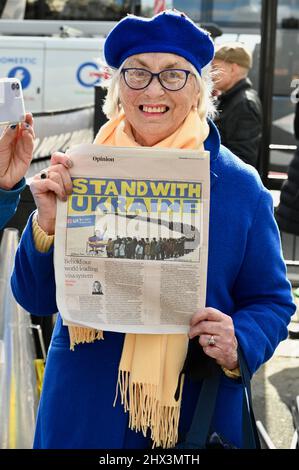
(170, 79)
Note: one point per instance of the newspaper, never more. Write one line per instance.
(131, 242)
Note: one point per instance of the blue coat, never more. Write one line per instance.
(9, 201)
(246, 279)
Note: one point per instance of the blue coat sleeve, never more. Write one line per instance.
(33, 280)
(262, 292)
(9, 201)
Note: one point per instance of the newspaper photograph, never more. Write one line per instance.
(131, 242)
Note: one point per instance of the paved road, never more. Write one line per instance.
(276, 384)
(274, 389)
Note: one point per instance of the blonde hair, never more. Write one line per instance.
(205, 106)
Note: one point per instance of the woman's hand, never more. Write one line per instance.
(16, 150)
(211, 324)
(57, 183)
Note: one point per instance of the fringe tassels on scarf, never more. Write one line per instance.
(146, 411)
(80, 334)
(151, 395)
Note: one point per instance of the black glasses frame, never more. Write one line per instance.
(187, 73)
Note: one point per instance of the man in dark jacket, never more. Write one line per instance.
(240, 112)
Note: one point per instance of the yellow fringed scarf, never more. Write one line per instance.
(150, 365)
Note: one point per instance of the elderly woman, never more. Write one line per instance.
(159, 97)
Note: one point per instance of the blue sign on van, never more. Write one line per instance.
(22, 74)
(88, 74)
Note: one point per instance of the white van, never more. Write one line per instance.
(58, 77)
(58, 67)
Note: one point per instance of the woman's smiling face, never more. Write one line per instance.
(154, 112)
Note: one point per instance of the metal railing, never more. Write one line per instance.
(18, 390)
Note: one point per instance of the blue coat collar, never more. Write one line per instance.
(212, 142)
(212, 145)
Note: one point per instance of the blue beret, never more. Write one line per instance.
(169, 31)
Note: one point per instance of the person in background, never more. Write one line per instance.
(239, 120)
(287, 212)
(159, 96)
(16, 150)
